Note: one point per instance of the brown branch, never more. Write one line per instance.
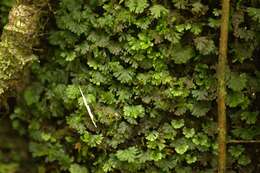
(221, 72)
(243, 141)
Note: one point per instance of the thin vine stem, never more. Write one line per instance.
(244, 141)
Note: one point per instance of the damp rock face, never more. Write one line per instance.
(18, 38)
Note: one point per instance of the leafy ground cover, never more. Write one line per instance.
(148, 71)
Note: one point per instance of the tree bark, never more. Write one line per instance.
(221, 73)
(18, 38)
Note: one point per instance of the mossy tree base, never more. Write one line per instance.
(17, 41)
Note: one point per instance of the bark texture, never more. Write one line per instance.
(17, 40)
(221, 72)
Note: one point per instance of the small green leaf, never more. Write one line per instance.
(136, 6)
(92, 140)
(130, 155)
(124, 76)
(190, 159)
(69, 56)
(188, 133)
(237, 82)
(199, 8)
(200, 109)
(177, 124)
(9, 167)
(32, 95)
(168, 131)
(134, 111)
(75, 168)
(249, 117)
(236, 151)
(244, 160)
(109, 165)
(205, 45)
(254, 13)
(235, 99)
(158, 11)
(181, 149)
(180, 4)
(72, 92)
(152, 136)
(182, 54)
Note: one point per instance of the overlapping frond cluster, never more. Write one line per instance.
(147, 69)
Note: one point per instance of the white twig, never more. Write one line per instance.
(88, 108)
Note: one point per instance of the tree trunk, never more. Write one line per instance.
(221, 72)
(18, 38)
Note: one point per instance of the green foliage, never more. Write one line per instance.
(137, 6)
(188, 133)
(181, 148)
(158, 11)
(254, 13)
(5, 6)
(75, 168)
(12, 168)
(182, 55)
(130, 155)
(236, 151)
(237, 82)
(205, 45)
(134, 111)
(176, 124)
(147, 69)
